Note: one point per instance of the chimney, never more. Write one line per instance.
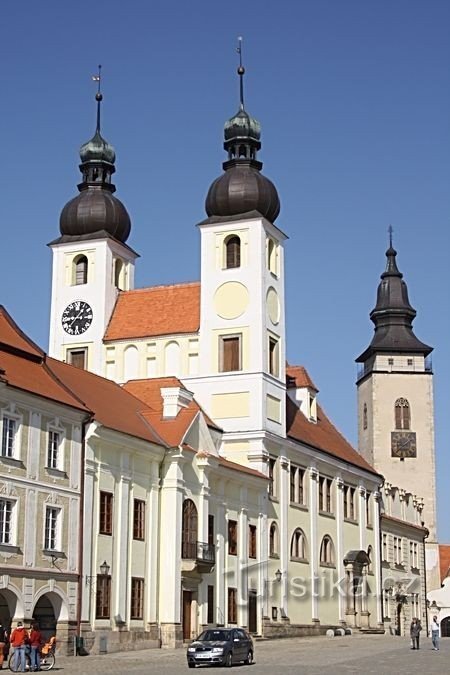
(174, 399)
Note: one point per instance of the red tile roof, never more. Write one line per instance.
(159, 310)
(173, 429)
(444, 560)
(113, 406)
(322, 435)
(298, 377)
(24, 366)
(12, 336)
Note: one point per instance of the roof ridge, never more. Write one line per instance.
(181, 284)
(24, 336)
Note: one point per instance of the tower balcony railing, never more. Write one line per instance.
(396, 367)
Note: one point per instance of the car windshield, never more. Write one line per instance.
(210, 635)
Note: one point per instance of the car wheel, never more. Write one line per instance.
(191, 665)
(249, 659)
(228, 660)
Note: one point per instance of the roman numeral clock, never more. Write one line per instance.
(77, 317)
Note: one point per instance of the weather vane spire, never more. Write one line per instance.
(98, 96)
(391, 231)
(241, 71)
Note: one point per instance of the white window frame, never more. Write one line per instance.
(17, 419)
(58, 528)
(12, 521)
(55, 429)
(72, 350)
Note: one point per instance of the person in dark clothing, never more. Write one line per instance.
(414, 631)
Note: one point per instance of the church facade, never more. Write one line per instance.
(215, 489)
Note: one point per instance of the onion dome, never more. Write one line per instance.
(242, 188)
(393, 315)
(97, 149)
(96, 209)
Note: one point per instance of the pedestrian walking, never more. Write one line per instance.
(435, 633)
(414, 631)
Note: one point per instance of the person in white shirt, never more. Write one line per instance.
(435, 633)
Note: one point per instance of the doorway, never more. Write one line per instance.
(445, 627)
(252, 618)
(44, 614)
(187, 612)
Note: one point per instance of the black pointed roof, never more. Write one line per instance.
(393, 316)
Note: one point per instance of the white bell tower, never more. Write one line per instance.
(91, 261)
(242, 375)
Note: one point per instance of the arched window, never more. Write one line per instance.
(80, 270)
(402, 414)
(365, 416)
(189, 531)
(232, 252)
(327, 551)
(369, 565)
(118, 266)
(271, 256)
(172, 358)
(273, 540)
(298, 545)
(130, 363)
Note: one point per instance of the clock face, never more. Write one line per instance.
(403, 444)
(77, 317)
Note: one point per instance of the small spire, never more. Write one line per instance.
(98, 96)
(390, 230)
(241, 71)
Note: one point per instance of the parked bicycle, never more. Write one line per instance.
(47, 657)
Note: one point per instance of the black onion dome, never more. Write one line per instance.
(240, 189)
(94, 210)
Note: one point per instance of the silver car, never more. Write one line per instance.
(221, 646)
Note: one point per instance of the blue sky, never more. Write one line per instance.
(354, 101)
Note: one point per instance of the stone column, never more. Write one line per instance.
(284, 533)
(314, 553)
(365, 614)
(377, 557)
(362, 518)
(221, 542)
(152, 536)
(171, 504)
(242, 572)
(340, 553)
(120, 563)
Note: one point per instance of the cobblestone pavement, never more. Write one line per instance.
(368, 654)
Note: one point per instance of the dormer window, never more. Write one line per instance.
(312, 405)
(232, 252)
(80, 264)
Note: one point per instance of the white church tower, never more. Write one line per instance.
(91, 261)
(241, 380)
(395, 404)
